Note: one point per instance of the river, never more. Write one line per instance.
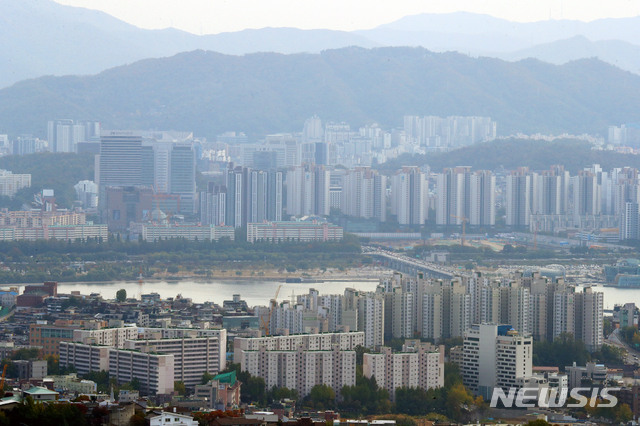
(255, 292)
(259, 292)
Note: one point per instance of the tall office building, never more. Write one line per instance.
(308, 191)
(494, 356)
(183, 176)
(409, 196)
(119, 161)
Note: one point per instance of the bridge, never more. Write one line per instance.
(411, 266)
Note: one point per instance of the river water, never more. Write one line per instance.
(255, 292)
(259, 292)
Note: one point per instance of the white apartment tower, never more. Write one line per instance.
(482, 199)
(302, 369)
(494, 356)
(452, 189)
(418, 366)
(364, 194)
(409, 196)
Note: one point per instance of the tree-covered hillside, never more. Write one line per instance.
(512, 153)
(209, 93)
(48, 171)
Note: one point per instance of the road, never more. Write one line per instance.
(632, 355)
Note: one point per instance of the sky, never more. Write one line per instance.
(216, 16)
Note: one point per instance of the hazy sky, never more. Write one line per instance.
(215, 16)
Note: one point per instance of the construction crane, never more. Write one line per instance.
(273, 304)
(140, 282)
(464, 222)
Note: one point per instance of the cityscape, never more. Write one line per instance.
(414, 224)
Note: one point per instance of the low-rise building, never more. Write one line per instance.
(72, 383)
(293, 231)
(220, 393)
(591, 374)
(174, 419)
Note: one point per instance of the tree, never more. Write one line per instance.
(290, 268)
(206, 378)
(322, 397)
(180, 388)
(173, 269)
(121, 295)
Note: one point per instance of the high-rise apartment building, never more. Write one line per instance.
(586, 194)
(519, 205)
(409, 196)
(213, 205)
(482, 199)
(252, 196)
(452, 201)
(419, 366)
(364, 194)
(308, 191)
(11, 183)
(302, 369)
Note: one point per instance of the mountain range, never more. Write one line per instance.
(41, 37)
(209, 93)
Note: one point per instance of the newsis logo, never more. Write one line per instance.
(551, 398)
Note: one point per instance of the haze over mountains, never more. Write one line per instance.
(41, 37)
(210, 93)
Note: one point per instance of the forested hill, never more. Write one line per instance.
(209, 93)
(60, 172)
(512, 153)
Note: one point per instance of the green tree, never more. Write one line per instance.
(290, 268)
(206, 378)
(322, 397)
(121, 295)
(173, 269)
(180, 388)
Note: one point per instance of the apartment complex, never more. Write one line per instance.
(364, 194)
(11, 183)
(419, 365)
(409, 195)
(302, 369)
(311, 342)
(293, 231)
